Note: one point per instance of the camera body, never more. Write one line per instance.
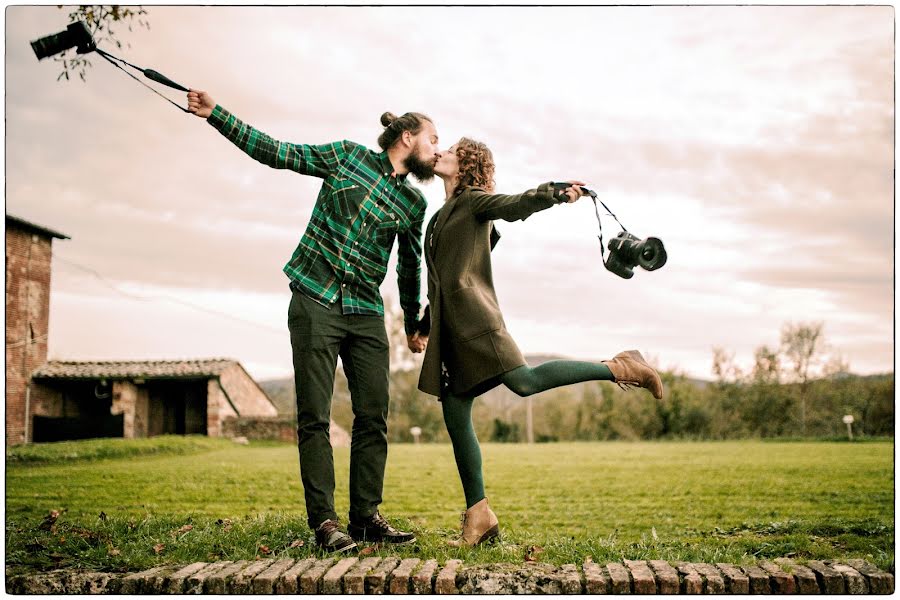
(76, 34)
(627, 251)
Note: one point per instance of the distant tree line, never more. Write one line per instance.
(801, 389)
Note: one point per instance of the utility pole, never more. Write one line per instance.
(529, 420)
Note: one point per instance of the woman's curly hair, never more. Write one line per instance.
(476, 165)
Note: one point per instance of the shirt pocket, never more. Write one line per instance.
(346, 195)
(390, 219)
(386, 230)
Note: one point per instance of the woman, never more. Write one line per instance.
(469, 349)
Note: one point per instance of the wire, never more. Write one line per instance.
(21, 343)
(172, 299)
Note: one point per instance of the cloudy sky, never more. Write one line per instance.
(757, 142)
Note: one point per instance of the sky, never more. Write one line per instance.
(756, 141)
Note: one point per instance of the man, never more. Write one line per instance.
(336, 308)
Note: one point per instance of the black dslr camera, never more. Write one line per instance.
(627, 251)
(76, 34)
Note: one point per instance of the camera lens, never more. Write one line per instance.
(652, 255)
(51, 44)
(76, 34)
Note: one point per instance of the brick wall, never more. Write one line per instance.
(246, 395)
(217, 408)
(27, 320)
(261, 428)
(125, 402)
(46, 401)
(276, 428)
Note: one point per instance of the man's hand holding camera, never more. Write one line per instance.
(200, 103)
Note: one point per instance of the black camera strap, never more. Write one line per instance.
(560, 186)
(600, 225)
(150, 73)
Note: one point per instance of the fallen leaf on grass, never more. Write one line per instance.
(183, 529)
(532, 553)
(296, 543)
(114, 552)
(159, 548)
(49, 522)
(264, 550)
(224, 523)
(86, 534)
(367, 551)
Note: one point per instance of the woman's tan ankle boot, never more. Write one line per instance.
(480, 524)
(630, 368)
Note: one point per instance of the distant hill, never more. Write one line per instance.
(281, 391)
(283, 395)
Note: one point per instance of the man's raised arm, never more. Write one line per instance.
(318, 161)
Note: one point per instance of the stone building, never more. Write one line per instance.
(136, 399)
(28, 254)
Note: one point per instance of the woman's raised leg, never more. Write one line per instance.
(626, 368)
(526, 380)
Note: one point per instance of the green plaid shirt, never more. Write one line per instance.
(360, 209)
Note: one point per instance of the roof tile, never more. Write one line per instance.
(124, 369)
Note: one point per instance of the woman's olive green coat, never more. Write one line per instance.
(468, 337)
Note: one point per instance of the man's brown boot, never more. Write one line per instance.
(630, 368)
(480, 524)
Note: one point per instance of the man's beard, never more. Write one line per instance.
(421, 169)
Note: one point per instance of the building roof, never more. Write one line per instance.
(129, 369)
(33, 227)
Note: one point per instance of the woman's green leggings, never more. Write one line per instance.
(524, 381)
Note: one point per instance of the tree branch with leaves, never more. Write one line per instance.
(100, 20)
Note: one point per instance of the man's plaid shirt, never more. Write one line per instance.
(360, 209)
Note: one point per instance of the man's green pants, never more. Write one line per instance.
(319, 335)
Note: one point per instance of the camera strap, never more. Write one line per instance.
(560, 186)
(600, 225)
(150, 73)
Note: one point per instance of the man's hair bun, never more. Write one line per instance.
(388, 118)
(394, 127)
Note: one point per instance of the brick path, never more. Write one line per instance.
(376, 575)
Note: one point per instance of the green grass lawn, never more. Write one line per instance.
(735, 501)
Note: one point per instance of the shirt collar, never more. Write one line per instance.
(387, 168)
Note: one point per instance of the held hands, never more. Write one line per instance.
(417, 342)
(200, 103)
